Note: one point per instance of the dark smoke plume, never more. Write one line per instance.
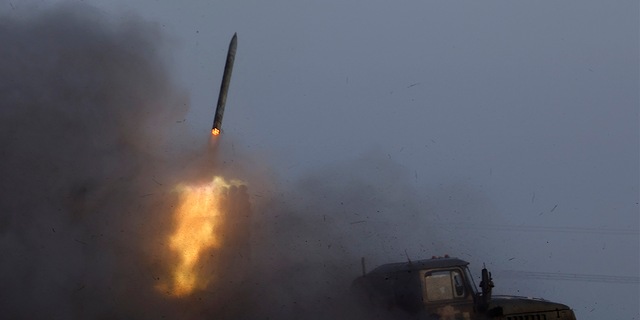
(87, 113)
(85, 104)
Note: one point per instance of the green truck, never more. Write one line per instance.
(443, 288)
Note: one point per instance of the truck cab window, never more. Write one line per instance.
(458, 285)
(442, 285)
(437, 286)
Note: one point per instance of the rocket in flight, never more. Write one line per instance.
(224, 87)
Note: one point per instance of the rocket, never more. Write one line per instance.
(224, 87)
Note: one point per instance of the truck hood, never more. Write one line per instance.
(515, 305)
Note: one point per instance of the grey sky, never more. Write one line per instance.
(530, 105)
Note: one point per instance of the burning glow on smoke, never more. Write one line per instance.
(197, 217)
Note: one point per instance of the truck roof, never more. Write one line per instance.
(419, 265)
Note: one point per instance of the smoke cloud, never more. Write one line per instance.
(88, 114)
(86, 104)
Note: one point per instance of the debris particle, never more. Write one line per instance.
(54, 230)
(413, 85)
(154, 180)
(554, 207)
(361, 221)
(81, 242)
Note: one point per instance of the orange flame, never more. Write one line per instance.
(197, 217)
(215, 131)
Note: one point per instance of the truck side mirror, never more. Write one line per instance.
(486, 285)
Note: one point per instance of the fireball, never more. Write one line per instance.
(198, 217)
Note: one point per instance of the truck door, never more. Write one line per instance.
(446, 295)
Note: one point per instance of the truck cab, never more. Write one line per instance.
(443, 288)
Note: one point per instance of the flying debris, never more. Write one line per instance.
(224, 87)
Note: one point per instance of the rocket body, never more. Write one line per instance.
(224, 87)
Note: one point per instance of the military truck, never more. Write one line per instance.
(443, 288)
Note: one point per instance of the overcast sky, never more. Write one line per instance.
(531, 106)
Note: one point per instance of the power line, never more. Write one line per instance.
(557, 276)
(545, 229)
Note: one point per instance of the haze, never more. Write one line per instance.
(509, 131)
